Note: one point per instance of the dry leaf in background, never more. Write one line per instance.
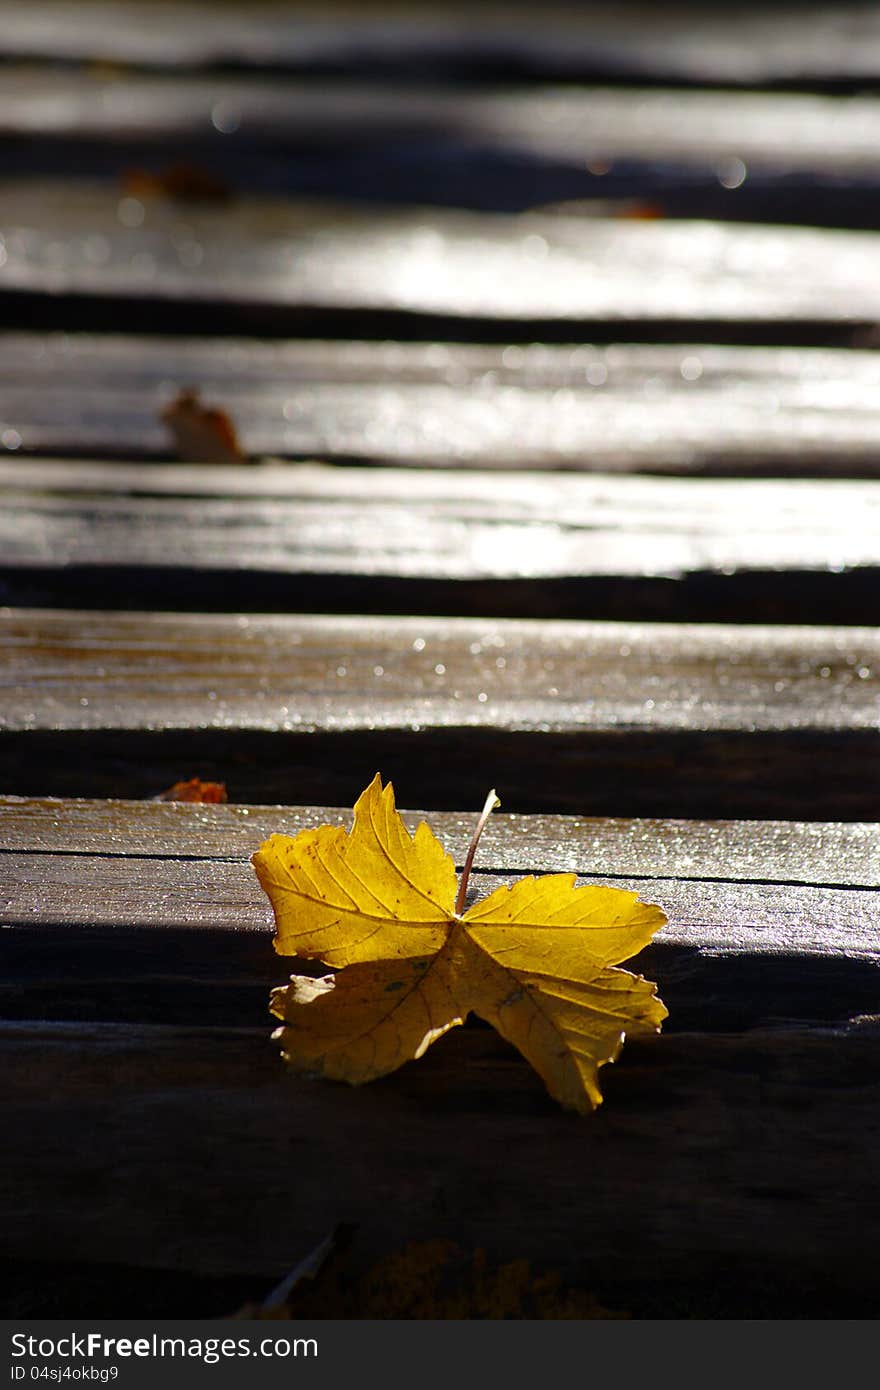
(384, 909)
(186, 182)
(431, 1279)
(202, 434)
(194, 790)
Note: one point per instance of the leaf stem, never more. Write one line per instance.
(491, 802)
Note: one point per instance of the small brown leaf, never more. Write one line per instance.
(194, 790)
(185, 182)
(642, 212)
(202, 434)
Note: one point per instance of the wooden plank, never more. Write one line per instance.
(783, 852)
(65, 239)
(152, 939)
(607, 504)
(146, 364)
(692, 153)
(618, 719)
(129, 670)
(823, 971)
(817, 42)
(120, 909)
(111, 890)
(697, 129)
(344, 538)
(772, 1135)
(689, 408)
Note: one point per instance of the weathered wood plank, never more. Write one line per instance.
(112, 1130)
(687, 408)
(107, 890)
(124, 973)
(320, 518)
(602, 718)
(693, 153)
(149, 939)
(279, 259)
(817, 42)
(121, 910)
(344, 538)
(817, 376)
(783, 852)
(129, 670)
(781, 133)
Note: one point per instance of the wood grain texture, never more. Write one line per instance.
(601, 718)
(80, 670)
(152, 939)
(75, 239)
(324, 520)
(134, 1145)
(690, 408)
(158, 892)
(783, 852)
(749, 45)
(332, 538)
(121, 910)
(126, 910)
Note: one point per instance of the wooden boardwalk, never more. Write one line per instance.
(578, 501)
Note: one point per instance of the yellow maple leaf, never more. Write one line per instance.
(384, 908)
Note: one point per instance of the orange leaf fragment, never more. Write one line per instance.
(642, 212)
(195, 790)
(202, 433)
(183, 181)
